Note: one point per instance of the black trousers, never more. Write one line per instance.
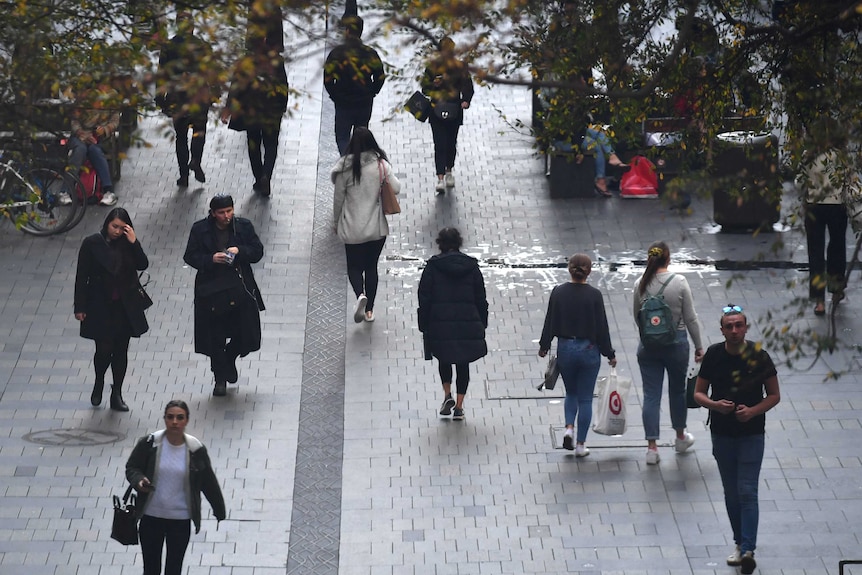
(445, 135)
(263, 149)
(156, 533)
(461, 381)
(198, 124)
(346, 118)
(225, 334)
(826, 272)
(362, 268)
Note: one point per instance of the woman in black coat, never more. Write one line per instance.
(453, 315)
(107, 300)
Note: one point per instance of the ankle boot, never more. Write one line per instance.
(96, 396)
(117, 403)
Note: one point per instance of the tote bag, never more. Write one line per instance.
(610, 416)
(388, 201)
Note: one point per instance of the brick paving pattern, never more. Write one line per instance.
(419, 494)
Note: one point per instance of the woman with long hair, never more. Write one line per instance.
(357, 215)
(453, 316)
(673, 358)
(576, 317)
(107, 301)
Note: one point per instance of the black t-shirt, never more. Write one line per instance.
(739, 378)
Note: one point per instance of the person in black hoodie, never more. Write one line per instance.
(227, 300)
(453, 316)
(352, 75)
(107, 301)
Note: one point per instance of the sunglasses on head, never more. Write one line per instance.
(731, 309)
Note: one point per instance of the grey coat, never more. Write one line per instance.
(356, 212)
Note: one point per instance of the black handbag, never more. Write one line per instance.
(689, 392)
(552, 374)
(125, 526)
(419, 106)
(146, 300)
(447, 111)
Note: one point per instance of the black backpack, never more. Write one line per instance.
(655, 320)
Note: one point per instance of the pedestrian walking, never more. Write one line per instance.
(256, 104)
(453, 316)
(170, 469)
(228, 302)
(357, 215)
(576, 317)
(828, 183)
(742, 385)
(185, 95)
(447, 82)
(107, 301)
(671, 356)
(352, 75)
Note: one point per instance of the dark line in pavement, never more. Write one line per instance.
(315, 524)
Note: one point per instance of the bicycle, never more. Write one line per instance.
(36, 199)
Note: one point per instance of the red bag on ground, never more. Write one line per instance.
(91, 185)
(640, 181)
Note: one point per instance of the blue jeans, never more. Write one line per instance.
(579, 362)
(95, 154)
(597, 142)
(653, 363)
(739, 460)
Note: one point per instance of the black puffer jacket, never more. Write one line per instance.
(453, 308)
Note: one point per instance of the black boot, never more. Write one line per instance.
(117, 403)
(96, 396)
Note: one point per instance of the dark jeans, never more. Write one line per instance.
(462, 381)
(198, 124)
(156, 533)
(653, 363)
(739, 460)
(346, 118)
(579, 362)
(94, 153)
(362, 268)
(445, 143)
(225, 333)
(266, 137)
(826, 271)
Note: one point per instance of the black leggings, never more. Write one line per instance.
(155, 533)
(362, 262)
(445, 136)
(461, 381)
(113, 353)
(198, 124)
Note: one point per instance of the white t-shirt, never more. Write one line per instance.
(169, 501)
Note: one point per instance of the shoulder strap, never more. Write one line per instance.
(664, 285)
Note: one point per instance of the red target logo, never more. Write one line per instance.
(655, 320)
(615, 403)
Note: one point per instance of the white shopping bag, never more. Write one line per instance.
(610, 416)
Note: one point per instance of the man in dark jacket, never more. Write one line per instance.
(352, 75)
(227, 300)
(185, 95)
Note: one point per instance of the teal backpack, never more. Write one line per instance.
(655, 320)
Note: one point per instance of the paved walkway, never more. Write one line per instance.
(329, 450)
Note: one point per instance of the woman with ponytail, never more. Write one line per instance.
(654, 361)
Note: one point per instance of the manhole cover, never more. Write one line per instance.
(67, 437)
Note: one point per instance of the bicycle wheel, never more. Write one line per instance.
(74, 183)
(53, 208)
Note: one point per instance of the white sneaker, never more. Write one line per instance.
(108, 199)
(582, 451)
(439, 186)
(449, 180)
(652, 457)
(64, 199)
(359, 312)
(735, 558)
(681, 445)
